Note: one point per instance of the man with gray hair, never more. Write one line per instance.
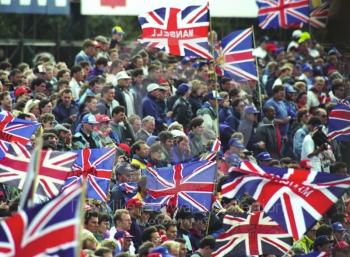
(148, 126)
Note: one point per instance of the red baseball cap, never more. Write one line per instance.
(102, 118)
(20, 91)
(341, 245)
(305, 164)
(133, 202)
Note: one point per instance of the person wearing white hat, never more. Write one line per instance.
(150, 106)
(123, 94)
(294, 43)
(86, 137)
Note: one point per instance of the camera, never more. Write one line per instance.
(320, 138)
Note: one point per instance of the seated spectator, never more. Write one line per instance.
(206, 247)
(195, 136)
(147, 129)
(86, 137)
(140, 152)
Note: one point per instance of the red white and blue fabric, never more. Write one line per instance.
(54, 168)
(319, 15)
(296, 199)
(339, 122)
(317, 254)
(95, 166)
(235, 56)
(255, 235)
(177, 32)
(188, 185)
(14, 130)
(282, 13)
(49, 229)
(128, 190)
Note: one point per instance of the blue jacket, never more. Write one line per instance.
(62, 113)
(150, 107)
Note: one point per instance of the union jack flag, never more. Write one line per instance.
(54, 168)
(282, 13)
(95, 166)
(129, 190)
(182, 185)
(49, 229)
(235, 56)
(255, 235)
(177, 32)
(296, 199)
(339, 122)
(14, 130)
(319, 16)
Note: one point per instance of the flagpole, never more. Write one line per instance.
(217, 105)
(82, 216)
(257, 72)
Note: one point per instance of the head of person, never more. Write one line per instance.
(197, 125)
(314, 123)
(238, 105)
(116, 66)
(322, 244)
(203, 71)
(183, 90)
(235, 146)
(141, 149)
(45, 106)
(108, 93)
(145, 249)
(270, 112)
(88, 123)
(137, 76)
(47, 120)
(338, 230)
(156, 152)
(322, 115)
(251, 113)
(103, 223)
(118, 114)
(264, 158)
(338, 89)
(90, 104)
(96, 84)
(149, 124)
(6, 101)
(153, 89)
(123, 79)
(134, 206)
(182, 248)
(207, 246)
(135, 122)
(340, 169)
(91, 221)
(151, 234)
(66, 97)
(278, 93)
(154, 72)
(185, 219)
(38, 85)
(104, 252)
(117, 33)
(90, 47)
(76, 72)
(167, 139)
(122, 219)
(173, 247)
(319, 84)
(62, 132)
(214, 98)
(170, 229)
(302, 116)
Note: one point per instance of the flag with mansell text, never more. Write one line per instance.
(180, 32)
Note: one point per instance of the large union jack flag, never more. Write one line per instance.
(339, 122)
(282, 13)
(188, 185)
(54, 168)
(235, 56)
(255, 235)
(177, 32)
(14, 130)
(319, 15)
(95, 166)
(49, 229)
(296, 199)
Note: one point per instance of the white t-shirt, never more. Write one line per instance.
(307, 148)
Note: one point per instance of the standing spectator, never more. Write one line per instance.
(99, 69)
(122, 222)
(314, 94)
(209, 114)
(234, 119)
(76, 82)
(140, 151)
(94, 89)
(196, 97)
(338, 91)
(91, 221)
(122, 93)
(137, 90)
(248, 124)
(64, 138)
(107, 102)
(167, 141)
(150, 107)
(268, 132)
(5, 102)
(184, 219)
(114, 69)
(195, 136)
(298, 138)
(307, 74)
(88, 53)
(121, 130)
(182, 110)
(103, 227)
(134, 206)
(154, 74)
(135, 122)
(206, 247)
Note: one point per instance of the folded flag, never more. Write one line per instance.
(177, 32)
(339, 122)
(295, 199)
(235, 56)
(255, 235)
(183, 185)
(95, 166)
(54, 168)
(49, 229)
(317, 254)
(319, 15)
(282, 13)
(14, 130)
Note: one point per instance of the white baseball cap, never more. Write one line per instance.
(151, 87)
(122, 75)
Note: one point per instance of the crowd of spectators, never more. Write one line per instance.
(159, 110)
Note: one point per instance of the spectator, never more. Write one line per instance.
(86, 137)
(182, 110)
(208, 112)
(76, 82)
(195, 136)
(140, 152)
(107, 102)
(123, 94)
(94, 89)
(88, 53)
(91, 221)
(137, 89)
(147, 129)
(151, 234)
(206, 247)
